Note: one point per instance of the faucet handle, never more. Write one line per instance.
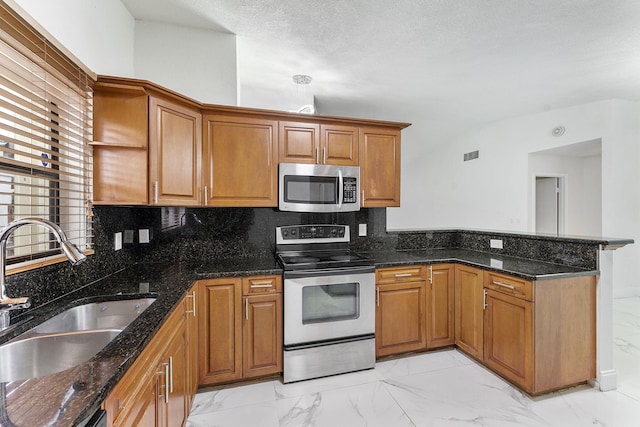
(15, 303)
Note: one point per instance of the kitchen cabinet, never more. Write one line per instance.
(440, 305)
(327, 144)
(147, 148)
(469, 302)
(175, 145)
(120, 133)
(191, 309)
(240, 161)
(540, 336)
(379, 155)
(240, 336)
(155, 389)
(400, 310)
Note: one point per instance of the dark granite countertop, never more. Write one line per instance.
(69, 397)
(520, 267)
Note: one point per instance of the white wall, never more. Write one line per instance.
(197, 63)
(98, 32)
(440, 190)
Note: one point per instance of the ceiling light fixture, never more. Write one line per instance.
(302, 81)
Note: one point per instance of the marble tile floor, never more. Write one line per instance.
(442, 388)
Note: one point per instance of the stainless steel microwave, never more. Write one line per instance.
(318, 188)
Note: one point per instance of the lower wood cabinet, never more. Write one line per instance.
(414, 308)
(157, 390)
(239, 336)
(540, 335)
(468, 310)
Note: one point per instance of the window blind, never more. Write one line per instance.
(46, 114)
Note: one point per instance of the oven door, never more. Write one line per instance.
(324, 305)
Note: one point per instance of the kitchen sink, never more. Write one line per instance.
(44, 355)
(99, 315)
(67, 339)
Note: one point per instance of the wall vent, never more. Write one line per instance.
(471, 155)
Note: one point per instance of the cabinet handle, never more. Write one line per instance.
(504, 285)
(378, 296)
(403, 274)
(266, 285)
(165, 372)
(206, 195)
(171, 374)
(193, 303)
(317, 158)
(324, 156)
(484, 299)
(155, 192)
(431, 275)
(246, 308)
(362, 204)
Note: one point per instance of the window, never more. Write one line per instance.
(45, 131)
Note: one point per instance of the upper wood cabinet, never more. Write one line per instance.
(153, 146)
(175, 136)
(379, 167)
(147, 149)
(325, 144)
(240, 161)
(120, 133)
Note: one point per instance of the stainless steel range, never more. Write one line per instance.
(329, 302)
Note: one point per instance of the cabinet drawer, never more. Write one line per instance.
(400, 274)
(509, 285)
(261, 285)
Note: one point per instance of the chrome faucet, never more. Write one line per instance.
(69, 249)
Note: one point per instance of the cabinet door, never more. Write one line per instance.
(176, 356)
(339, 145)
(220, 330)
(262, 335)
(175, 147)
(192, 343)
(440, 305)
(379, 167)
(299, 142)
(400, 318)
(140, 409)
(508, 338)
(241, 161)
(468, 310)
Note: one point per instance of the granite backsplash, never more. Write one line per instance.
(199, 235)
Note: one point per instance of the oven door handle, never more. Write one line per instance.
(328, 272)
(340, 189)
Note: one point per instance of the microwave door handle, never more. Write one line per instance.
(340, 189)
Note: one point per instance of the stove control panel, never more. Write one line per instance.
(312, 233)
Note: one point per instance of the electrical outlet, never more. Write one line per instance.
(117, 241)
(362, 230)
(128, 236)
(143, 234)
(495, 243)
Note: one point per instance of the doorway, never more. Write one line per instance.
(549, 193)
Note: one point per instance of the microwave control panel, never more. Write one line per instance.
(350, 190)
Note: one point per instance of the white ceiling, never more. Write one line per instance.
(444, 65)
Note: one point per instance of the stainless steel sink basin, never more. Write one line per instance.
(45, 355)
(99, 315)
(67, 339)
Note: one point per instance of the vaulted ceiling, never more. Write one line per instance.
(445, 65)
